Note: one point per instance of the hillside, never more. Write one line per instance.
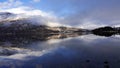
(12, 24)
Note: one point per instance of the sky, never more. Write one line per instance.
(75, 13)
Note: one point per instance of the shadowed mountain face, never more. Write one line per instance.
(18, 25)
(6, 15)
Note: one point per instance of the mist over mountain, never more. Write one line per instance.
(8, 18)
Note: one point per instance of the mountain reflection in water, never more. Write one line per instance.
(78, 50)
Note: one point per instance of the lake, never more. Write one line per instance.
(73, 51)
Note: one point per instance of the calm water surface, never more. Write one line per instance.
(85, 51)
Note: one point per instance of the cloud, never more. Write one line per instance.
(35, 15)
(41, 17)
(86, 13)
(10, 3)
(36, 1)
(92, 14)
(76, 13)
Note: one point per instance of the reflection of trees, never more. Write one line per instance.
(9, 41)
(27, 38)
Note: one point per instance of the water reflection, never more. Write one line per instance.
(106, 34)
(83, 50)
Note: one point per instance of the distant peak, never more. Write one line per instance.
(5, 13)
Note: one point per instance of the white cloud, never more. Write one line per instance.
(24, 56)
(90, 24)
(36, 0)
(10, 3)
(25, 10)
(90, 38)
(35, 15)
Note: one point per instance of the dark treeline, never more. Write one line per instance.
(24, 29)
(106, 31)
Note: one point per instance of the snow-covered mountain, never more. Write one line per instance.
(8, 19)
(19, 23)
(6, 16)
